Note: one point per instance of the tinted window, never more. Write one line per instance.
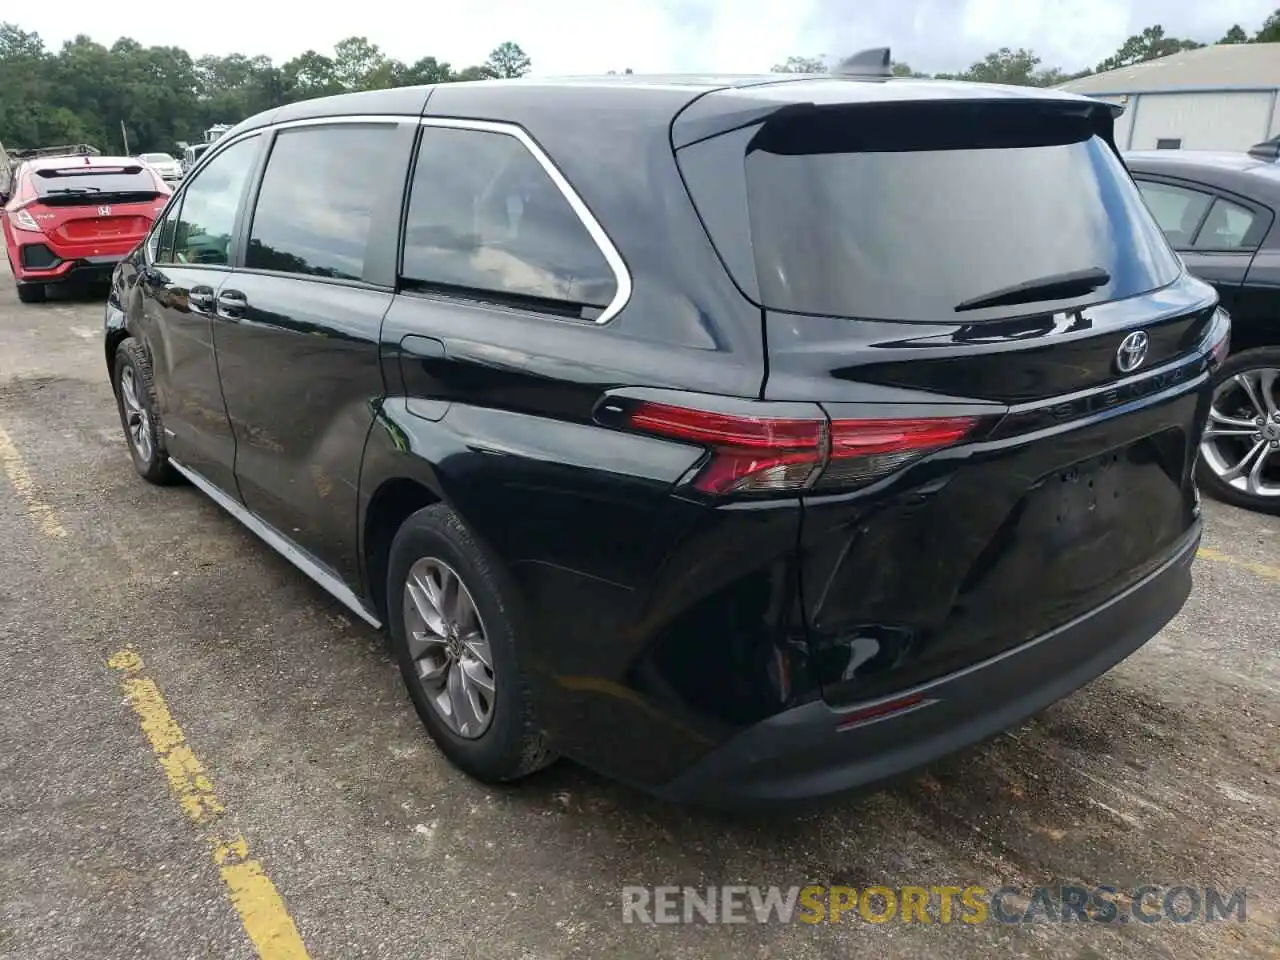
(908, 219)
(1177, 211)
(207, 220)
(485, 216)
(1226, 227)
(319, 197)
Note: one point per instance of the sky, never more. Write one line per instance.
(655, 36)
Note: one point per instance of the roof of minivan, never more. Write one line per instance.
(662, 95)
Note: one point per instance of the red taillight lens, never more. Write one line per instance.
(756, 454)
(865, 450)
(748, 453)
(22, 220)
(1220, 347)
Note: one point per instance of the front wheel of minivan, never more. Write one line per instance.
(452, 618)
(1240, 452)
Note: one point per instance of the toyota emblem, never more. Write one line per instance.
(104, 211)
(1132, 352)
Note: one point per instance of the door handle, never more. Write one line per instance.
(200, 299)
(232, 305)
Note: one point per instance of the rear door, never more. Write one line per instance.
(1217, 235)
(188, 258)
(1009, 352)
(296, 328)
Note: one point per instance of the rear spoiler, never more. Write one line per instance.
(724, 111)
(86, 170)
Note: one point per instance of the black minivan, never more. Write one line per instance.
(745, 439)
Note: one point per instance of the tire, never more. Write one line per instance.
(146, 449)
(508, 745)
(1214, 456)
(31, 292)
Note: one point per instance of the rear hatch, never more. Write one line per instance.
(1011, 358)
(86, 204)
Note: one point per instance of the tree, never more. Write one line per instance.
(904, 70)
(801, 65)
(85, 91)
(356, 62)
(1235, 35)
(1270, 32)
(1018, 67)
(1147, 45)
(508, 60)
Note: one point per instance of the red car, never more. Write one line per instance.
(76, 217)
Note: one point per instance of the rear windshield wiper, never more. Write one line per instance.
(1058, 286)
(75, 190)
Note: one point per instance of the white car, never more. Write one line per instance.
(165, 165)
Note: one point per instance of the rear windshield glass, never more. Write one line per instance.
(49, 183)
(157, 158)
(907, 215)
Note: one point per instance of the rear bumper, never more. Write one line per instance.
(94, 269)
(802, 754)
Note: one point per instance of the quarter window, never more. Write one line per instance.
(207, 221)
(1178, 211)
(486, 219)
(320, 193)
(1226, 227)
(160, 243)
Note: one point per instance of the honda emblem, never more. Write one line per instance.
(104, 211)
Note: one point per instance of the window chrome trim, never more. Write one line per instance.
(618, 266)
(621, 275)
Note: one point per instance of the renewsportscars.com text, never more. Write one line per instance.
(971, 904)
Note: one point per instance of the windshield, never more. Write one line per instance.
(913, 219)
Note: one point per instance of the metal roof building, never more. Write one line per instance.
(1222, 97)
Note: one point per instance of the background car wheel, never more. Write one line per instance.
(1240, 453)
(453, 625)
(135, 400)
(31, 292)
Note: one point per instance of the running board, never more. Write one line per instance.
(282, 545)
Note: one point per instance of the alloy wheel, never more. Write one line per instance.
(137, 423)
(1241, 443)
(449, 646)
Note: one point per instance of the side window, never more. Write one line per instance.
(208, 216)
(1226, 227)
(1177, 211)
(485, 217)
(320, 194)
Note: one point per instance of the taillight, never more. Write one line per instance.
(1219, 339)
(22, 220)
(760, 454)
(865, 450)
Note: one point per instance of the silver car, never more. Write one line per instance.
(165, 165)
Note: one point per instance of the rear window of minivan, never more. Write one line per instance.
(905, 211)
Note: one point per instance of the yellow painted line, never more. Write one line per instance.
(15, 469)
(1261, 569)
(259, 904)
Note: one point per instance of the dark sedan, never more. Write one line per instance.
(1218, 211)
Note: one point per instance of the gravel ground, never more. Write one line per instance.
(1164, 771)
